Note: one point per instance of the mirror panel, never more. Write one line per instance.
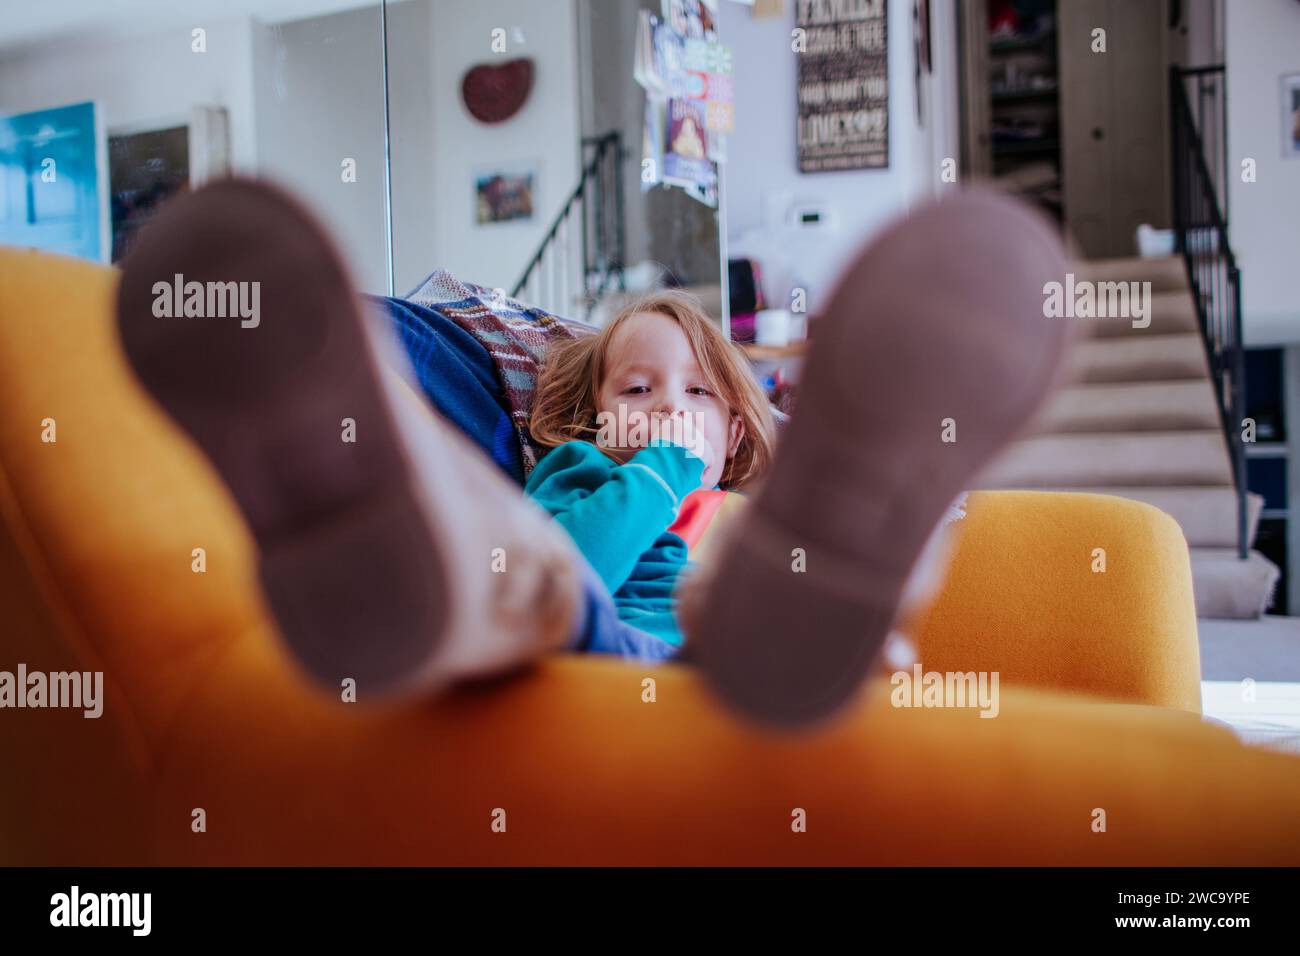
(169, 95)
(517, 131)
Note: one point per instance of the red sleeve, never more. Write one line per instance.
(698, 509)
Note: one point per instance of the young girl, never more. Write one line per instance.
(692, 418)
(661, 360)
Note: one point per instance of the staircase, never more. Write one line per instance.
(1139, 419)
(1156, 413)
(581, 257)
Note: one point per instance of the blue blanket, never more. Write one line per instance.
(459, 377)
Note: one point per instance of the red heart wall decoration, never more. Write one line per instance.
(493, 93)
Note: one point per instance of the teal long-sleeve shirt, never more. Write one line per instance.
(618, 515)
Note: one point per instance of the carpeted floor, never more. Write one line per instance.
(1264, 650)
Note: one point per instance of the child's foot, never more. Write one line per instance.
(376, 523)
(934, 351)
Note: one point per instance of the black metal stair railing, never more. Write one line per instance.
(595, 207)
(1198, 141)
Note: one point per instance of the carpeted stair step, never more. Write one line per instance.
(1165, 273)
(1138, 358)
(1197, 458)
(1139, 419)
(1225, 586)
(1132, 406)
(1172, 313)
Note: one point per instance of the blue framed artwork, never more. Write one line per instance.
(52, 189)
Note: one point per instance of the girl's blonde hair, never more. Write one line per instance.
(564, 407)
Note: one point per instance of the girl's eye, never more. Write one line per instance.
(635, 390)
(699, 390)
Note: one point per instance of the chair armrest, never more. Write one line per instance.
(1022, 597)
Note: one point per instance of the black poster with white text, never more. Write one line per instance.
(843, 84)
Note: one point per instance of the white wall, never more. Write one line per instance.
(320, 100)
(763, 179)
(112, 20)
(545, 133)
(1263, 43)
(142, 81)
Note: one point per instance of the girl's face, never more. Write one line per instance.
(652, 370)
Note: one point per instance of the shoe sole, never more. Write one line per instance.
(348, 558)
(790, 626)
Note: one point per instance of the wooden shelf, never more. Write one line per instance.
(761, 353)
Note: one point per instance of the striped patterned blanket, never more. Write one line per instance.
(515, 335)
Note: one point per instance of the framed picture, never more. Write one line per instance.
(843, 90)
(152, 161)
(505, 195)
(53, 190)
(145, 169)
(1291, 116)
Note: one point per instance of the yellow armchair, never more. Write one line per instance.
(206, 722)
(1069, 591)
